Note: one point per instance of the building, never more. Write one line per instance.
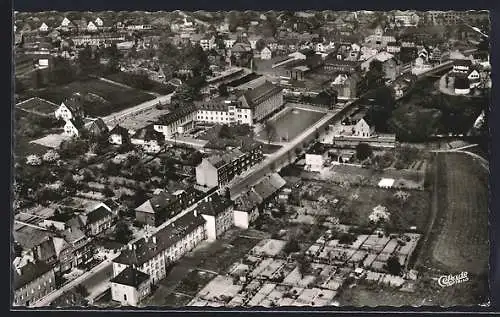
(218, 170)
(119, 135)
(334, 65)
(99, 220)
(91, 27)
(316, 157)
(258, 103)
(378, 40)
(165, 205)
(130, 286)
(72, 128)
(153, 254)
(266, 53)
(99, 39)
(218, 214)
(98, 128)
(69, 109)
(248, 205)
(177, 122)
(32, 282)
(44, 27)
(406, 18)
(390, 66)
(462, 66)
(150, 139)
(218, 110)
(346, 85)
(393, 47)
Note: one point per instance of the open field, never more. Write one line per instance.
(462, 187)
(290, 123)
(100, 98)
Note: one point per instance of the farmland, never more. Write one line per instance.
(100, 98)
(462, 244)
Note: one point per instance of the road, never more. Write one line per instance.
(116, 117)
(90, 279)
(126, 86)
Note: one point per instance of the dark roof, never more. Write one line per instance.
(334, 61)
(73, 104)
(98, 127)
(118, 129)
(173, 116)
(307, 52)
(131, 277)
(317, 148)
(461, 83)
(226, 158)
(149, 133)
(213, 205)
(29, 273)
(216, 104)
(253, 97)
(462, 62)
(98, 214)
(145, 250)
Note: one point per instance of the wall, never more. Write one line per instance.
(120, 291)
(35, 290)
(241, 219)
(206, 175)
(210, 227)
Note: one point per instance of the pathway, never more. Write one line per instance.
(101, 268)
(127, 86)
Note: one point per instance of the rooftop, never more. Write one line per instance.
(98, 214)
(130, 277)
(214, 205)
(173, 116)
(29, 273)
(145, 249)
(255, 96)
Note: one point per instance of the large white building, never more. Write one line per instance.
(258, 103)
(178, 121)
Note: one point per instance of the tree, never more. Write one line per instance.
(122, 233)
(87, 60)
(393, 266)
(375, 74)
(291, 246)
(108, 192)
(82, 290)
(259, 46)
(225, 132)
(363, 151)
(223, 90)
(270, 130)
(38, 81)
(51, 156)
(114, 59)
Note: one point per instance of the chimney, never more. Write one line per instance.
(154, 239)
(130, 246)
(196, 213)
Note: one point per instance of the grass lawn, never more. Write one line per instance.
(194, 282)
(100, 98)
(462, 243)
(151, 85)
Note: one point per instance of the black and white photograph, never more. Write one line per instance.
(246, 159)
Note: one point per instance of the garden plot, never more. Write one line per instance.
(52, 141)
(220, 290)
(295, 278)
(268, 247)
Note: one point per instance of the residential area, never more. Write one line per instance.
(250, 159)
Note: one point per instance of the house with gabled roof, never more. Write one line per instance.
(177, 121)
(149, 139)
(32, 282)
(218, 214)
(219, 169)
(152, 254)
(91, 27)
(99, 220)
(69, 109)
(98, 128)
(248, 205)
(164, 206)
(130, 287)
(44, 27)
(119, 135)
(260, 102)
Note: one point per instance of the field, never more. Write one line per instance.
(150, 85)
(100, 98)
(462, 244)
(290, 123)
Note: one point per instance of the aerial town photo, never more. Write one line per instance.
(246, 159)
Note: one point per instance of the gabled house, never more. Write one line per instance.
(44, 27)
(266, 53)
(98, 128)
(248, 205)
(119, 135)
(218, 214)
(32, 282)
(99, 220)
(91, 27)
(176, 122)
(72, 127)
(150, 139)
(69, 109)
(346, 85)
(130, 286)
